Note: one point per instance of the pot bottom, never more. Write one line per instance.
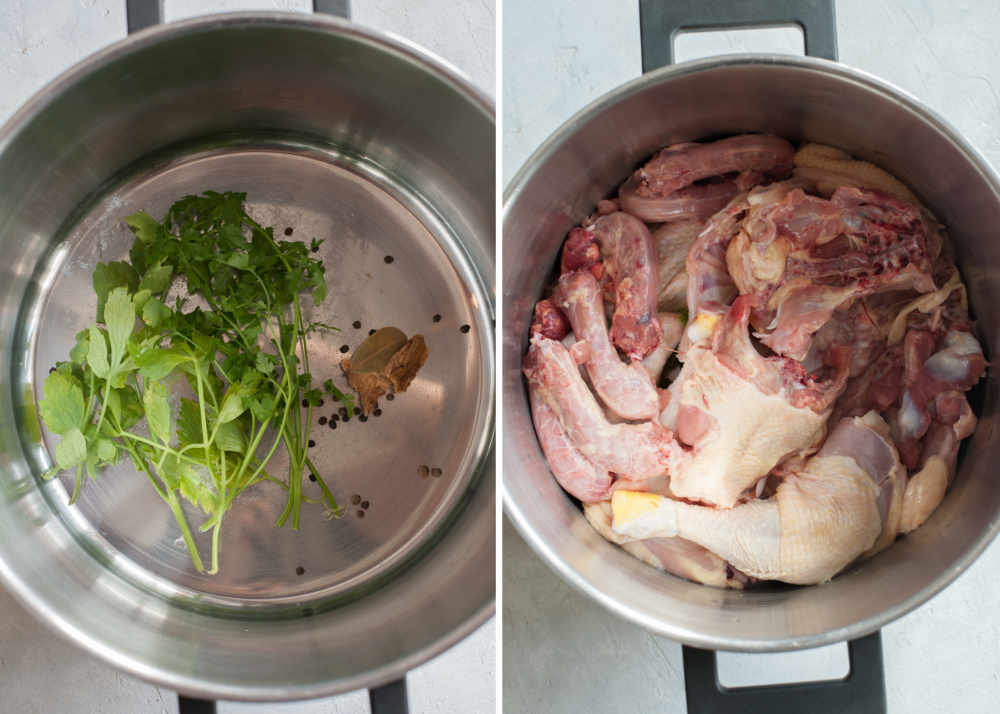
(389, 262)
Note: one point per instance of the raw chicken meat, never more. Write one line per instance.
(674, 555)
(630, 264)
(580, 477)
(739, 414)
(637, 450)
(803, 257)
(626, 389)
(672, 325)
(697, 201)
(663, 190)
(820, 520)
(825, 359)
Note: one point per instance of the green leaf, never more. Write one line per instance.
(155, 313)
(319, 290)
(72, 449)
(62, 405)
(131, 407)
(97, 354)
(154, 399)
(230, 437)
(144, 226)
(140, 299)
(346, 399)
(240, 261)
(263, 406)
(265, 363)
(189, 423)
(120, 319)
(313, 397)
(114, 399)
(78, 355)
(157, 278)
(233, 404)
(195, 490)
(106, 450)
(107, 277)
(157, 363)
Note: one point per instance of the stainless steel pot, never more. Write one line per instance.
(344, 134)
(803, 99)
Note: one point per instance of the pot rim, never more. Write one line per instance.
(512, 193)
(190, 683)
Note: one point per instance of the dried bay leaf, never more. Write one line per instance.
(405, 364)
(386, 360)
(370, 385)
(375, 352)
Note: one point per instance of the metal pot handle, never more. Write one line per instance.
(863, 689)
(661, 20)
(389, 698)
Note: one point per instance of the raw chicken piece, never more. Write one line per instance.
(741, 413)
(926, 487)
(955, 367)
(819, 520)
(852, 326)
(803, 257)
(681, 165)
(631, 450)
(672, 325)
(710, 289)
(698, 201)
(673, 242)
(549, 321)
(836, 165)
(674, 555)
(578, 476)
(581, 252)
(626, 389)
(630, 263)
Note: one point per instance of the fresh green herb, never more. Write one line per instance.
(236, 343)
(346, 399)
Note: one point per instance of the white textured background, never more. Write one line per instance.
(562, 652)
(39, 672)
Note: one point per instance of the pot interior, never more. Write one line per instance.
(801, 99)
(377, 151)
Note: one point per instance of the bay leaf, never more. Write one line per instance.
(375, 352)
(405, 364)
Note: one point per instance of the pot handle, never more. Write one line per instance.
(140, 14)
(661, 20)
(862, 691)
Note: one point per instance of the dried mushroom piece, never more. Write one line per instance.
(386, 360)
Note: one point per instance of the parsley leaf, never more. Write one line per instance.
(62, 403)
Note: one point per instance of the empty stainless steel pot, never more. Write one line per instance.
(803, 99)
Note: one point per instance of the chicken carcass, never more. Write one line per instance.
(820, 519)
(738, 414)
(803, 257)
